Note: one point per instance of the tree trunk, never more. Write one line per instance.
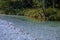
(53, 4)
(43, 8)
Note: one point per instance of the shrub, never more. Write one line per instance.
(36, 3)
(1, 11)
(50, 11)
(58, 13)
(34, 13)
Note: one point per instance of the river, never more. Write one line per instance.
(49, 30)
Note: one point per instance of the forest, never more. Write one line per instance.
(38, 9)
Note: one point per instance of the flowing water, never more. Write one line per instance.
(49, 30)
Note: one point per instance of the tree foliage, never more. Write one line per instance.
(21, 7)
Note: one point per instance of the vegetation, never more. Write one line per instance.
(38, 9)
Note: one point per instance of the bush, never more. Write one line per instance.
(36, 3)
(20, 12)
(51, 13)
(31, 12)
(35, 13)
(58, 15)
(1, 11)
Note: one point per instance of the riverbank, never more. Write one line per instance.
(36, 13)
(23, 18)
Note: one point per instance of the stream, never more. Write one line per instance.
(49, 30)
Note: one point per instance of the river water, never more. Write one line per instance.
(49, 30)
